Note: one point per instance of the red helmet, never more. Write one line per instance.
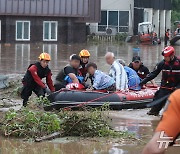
(168, 51)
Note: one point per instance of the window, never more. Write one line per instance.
(123, 21)
(50, 30)
(102, 26)
(0, 30)
(117, 20)
(22, 30)
(113, 18)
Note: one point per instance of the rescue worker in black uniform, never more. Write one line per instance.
(69, 74)
(170, 68)
(32, 81)
(140, 68)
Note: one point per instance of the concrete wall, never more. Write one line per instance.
(156, 21)
(122, 5)
(148, 15)
(162, 23)
(68, 30)
(168, 19)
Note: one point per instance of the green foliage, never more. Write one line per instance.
(42, 101)
(175, 4)
(176, 10)
(33, 124)
(121, 36)
(175, 16)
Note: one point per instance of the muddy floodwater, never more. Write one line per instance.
(15, 58)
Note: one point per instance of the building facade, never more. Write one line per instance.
(124, 16)
(115, 15)
(158, 12)
(47, 20)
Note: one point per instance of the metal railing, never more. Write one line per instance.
(108, 30)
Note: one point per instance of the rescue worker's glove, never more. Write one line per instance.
(47, 91)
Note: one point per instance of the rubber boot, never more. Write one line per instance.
(25, 103)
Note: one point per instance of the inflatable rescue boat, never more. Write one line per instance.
(74, 99)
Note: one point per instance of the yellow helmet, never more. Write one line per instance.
(45, 56)
(84, 53)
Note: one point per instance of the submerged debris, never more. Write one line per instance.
(36, 124)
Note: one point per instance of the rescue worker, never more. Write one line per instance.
(32, 81)
(70, 73)
(169, 127)
(139, 67)
(170, 68)
(84, 55)
(133, 79)
(117, 72)
(167, 37)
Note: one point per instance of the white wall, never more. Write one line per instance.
(168, 19)
(148, 15)
(162, 23)
(122, 5)
(156, 21)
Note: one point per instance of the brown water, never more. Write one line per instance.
(143, 130)
(15, 58)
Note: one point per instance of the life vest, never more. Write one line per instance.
(171, 73)
(83, 70)
(41, 72)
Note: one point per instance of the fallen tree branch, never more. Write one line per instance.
(48, 137)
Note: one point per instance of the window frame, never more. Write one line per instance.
(118, 26)
(29, 36)
(49, 35)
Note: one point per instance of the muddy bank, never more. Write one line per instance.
(9, 96)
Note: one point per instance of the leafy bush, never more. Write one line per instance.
(31, 124)
(121, 36)
(34, 124)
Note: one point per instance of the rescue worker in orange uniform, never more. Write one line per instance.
(169, 127)
(32, 81)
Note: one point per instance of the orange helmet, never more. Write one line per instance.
(84, 53)
(45, 56)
